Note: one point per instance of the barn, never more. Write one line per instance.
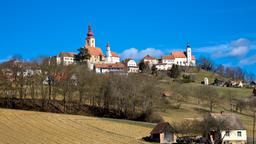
(163, 133)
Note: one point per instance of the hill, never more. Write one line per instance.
(17, 126)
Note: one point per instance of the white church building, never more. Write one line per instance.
(181, 58)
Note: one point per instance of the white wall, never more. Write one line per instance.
(167, 61)
(233, 135)
(67, 60)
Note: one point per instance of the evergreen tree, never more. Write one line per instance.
(83, 55)
(154, 70)
(174, 72)
(144, 67)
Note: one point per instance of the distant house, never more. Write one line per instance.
(163, 133)
(109, 68)
(163, 66)
(65, 58)
(150, 60)
(131, 66)
(253, 84)
(237, 132)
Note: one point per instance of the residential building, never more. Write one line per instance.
(102, 68)
(65, 58)
(131, 66)
(236, 134)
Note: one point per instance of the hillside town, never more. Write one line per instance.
(110, 61)
(62, 84)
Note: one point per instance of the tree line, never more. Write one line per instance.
(235, 73)
(74, 89)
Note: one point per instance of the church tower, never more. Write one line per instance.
(108, 52)
(189, 54)
(90, 40)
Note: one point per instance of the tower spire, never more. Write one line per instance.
(90, 33)
(90, 40)
(188, 44)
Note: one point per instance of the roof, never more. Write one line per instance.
(161, 127)
(193, 57)
(67, 54)
(113, 54)
(234, 120)
(110, 65)
(94, 51)
(148, 57)
(168, 57)
(127, 60)
(178, 54)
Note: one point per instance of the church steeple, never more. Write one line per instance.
(189, 53)
(108, 52)
(90, 40)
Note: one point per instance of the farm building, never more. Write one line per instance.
(163, 133)
(236, 134)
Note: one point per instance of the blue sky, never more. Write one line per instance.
(223, 30)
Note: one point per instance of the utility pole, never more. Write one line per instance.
(253, 137)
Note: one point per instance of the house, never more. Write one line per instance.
(163, 133)
(236, 134)
(165, 63)
(253, 84)
(65, 58)
(150, 60)
(131, 66)
(163, 66)
(240, 84)
(102, 68)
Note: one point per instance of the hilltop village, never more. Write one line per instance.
(188, 100)
(110, 61)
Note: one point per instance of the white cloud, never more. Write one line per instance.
(248, 61)
(136, 54)
(236, 48)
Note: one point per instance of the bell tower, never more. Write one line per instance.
(90, 40)
(189, 54)
(108, 52)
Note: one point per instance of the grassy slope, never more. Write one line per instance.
(190, 108)
(17, 126)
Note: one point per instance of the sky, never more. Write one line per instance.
(221, 30)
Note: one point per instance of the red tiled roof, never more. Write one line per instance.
(113, 54)
(193, 57)
(148, 57)
(67, 54)
(168, 57)
(110, 65)
(178, 54)
(94, 51)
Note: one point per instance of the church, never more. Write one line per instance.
(99, 62)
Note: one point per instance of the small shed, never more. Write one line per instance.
(163, 133)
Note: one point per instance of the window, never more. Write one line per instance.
(228, 133)
(239, 133)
